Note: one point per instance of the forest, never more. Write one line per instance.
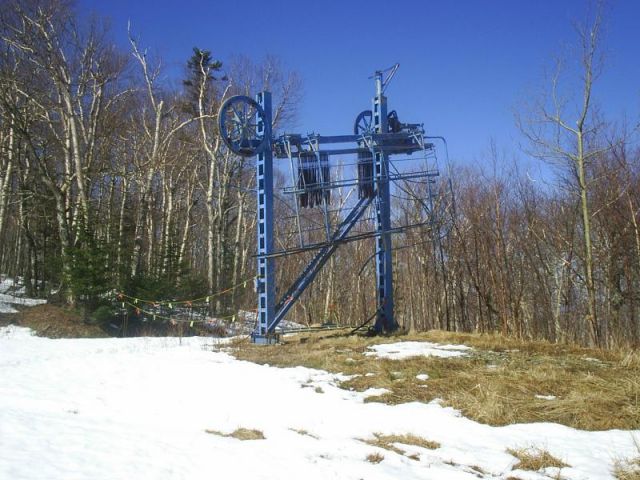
(113, 179)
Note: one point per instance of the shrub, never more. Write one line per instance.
(101, 315)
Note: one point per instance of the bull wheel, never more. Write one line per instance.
(238, 119)
(364, 123)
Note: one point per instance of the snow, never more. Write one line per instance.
(422, 377)
(140, 407)
(244, 323)
(546, 397)
(404, 350)
(11, 294)
(590, 359)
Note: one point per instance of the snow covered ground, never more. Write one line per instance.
(403, 350)
(139, 408)
(11, 294)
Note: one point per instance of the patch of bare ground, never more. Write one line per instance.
(628, 468)
(375, 457)
(501, 381)
(240, 434)
(390, 442)
(534, 459)
(7, 319)
(52, 321)
(303, 432)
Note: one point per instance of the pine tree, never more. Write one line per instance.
(199, 67)
(90, 279)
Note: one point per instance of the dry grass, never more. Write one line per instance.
(535, 459)
(388, 442)
(628, 469)
(303, 432)
(496, 384)
(240, 434)
(478, 470)
(375, 457)
(52, 321)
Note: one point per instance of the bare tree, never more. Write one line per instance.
(567, 137)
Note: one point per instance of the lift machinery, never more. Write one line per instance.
(246, 128)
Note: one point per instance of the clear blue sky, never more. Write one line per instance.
(465, 65)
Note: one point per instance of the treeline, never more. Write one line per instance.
(514, 260)
(506, 254)
(111, 181)
(110, 178)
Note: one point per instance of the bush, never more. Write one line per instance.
(101, 315)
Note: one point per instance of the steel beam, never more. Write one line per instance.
(385, 321)
(350, 183)
(265, 283)
(312, 269)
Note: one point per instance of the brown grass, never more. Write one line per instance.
(496, 383)
(55, 322)
(535, 459)
(375, 457)
(240, 434)
(628, 469)
(303, 432)
(477, 469)
(387, 442)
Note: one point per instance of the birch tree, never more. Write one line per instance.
(160, 123)
(59, 96)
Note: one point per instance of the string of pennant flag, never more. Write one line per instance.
(121, 296)
(173, 320)
(137, 304)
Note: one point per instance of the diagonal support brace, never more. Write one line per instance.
(318, 262)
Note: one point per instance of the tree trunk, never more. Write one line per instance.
(65, 244)
(168, 223)
(141, 222)
(211, 220)
(237, 250)
(185, 231)
(588, 252)
(5, 177)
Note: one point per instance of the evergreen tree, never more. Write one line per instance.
(200, 69)
(90, 278)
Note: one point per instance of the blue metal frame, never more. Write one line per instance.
(269, 314)
(265, 283)
(382, 144)
(385, 321)
(318, 262)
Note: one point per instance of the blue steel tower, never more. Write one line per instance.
(385, 321)
(265, 280)
(246, 128)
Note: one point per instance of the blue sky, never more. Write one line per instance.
(465, 65)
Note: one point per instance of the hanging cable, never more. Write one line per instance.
(207, 298)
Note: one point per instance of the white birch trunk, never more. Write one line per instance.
(5, 177)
